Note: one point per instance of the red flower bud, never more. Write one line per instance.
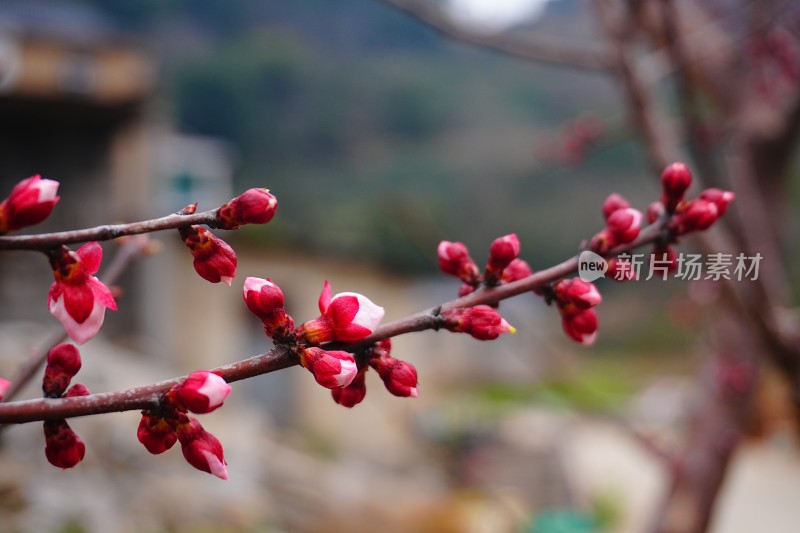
(201, 449)
(399, 377)
(214, 259)
(201, 392)
(254, 206)
(614, 202)
(481, 321)
(603, 242)
(30, 202)
(624, 225)
(575, 291)
(331, 369)
(719, 197)
(454, 259)
(63, 362)
(699, 215)
(346, 317)
(654, 211)
(156, 433)
(265, 300)
(4, 385)
(352, 394)
(516, 270)
(580, 325)
(79, 389)
(675, 181)
(63, 447)
(77, 298)
(501, 253)
(465, 289)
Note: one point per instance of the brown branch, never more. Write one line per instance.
(539, 50)
(46, 241)
(282, 357)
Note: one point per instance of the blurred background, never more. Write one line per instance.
(380, 137)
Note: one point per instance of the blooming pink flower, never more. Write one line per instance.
(157, 433)
(31, 201)
(481, 321)
(352, 394)
(254, 206)
(624, 225)
(265, 300)
(63, 447)
(719, 197)
(63, 362)
(675, 181)
(614, 202)
(201, 392)
(454, 259)
(501, 253)
(214, 259)
(77, 298)
(346, 317)
(201, 449)
(4, 386)
(575, 291)
(399, 376)
(331, 369)
(580, 325)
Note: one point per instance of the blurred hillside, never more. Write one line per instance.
(379, 136)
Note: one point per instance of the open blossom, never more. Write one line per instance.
(77, 298)
(201, 392)
(31, 201)
(352, 394)
(63, 362)
(63, 447)
(501, 253)
(201, 449)
(156, 432)
(577, 292)
(580, 325)
(214, 259)
(254, 206)
(346, 317)
(454, 259)
(481, 321)
(331, 369)
(265, 300)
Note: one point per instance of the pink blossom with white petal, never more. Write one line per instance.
(331, 369)
(77, 298)
(346, 317)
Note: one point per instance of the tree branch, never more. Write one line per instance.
(550, 52)
(46, 241)
(282, 357)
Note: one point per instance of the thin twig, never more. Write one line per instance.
(46, 241)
